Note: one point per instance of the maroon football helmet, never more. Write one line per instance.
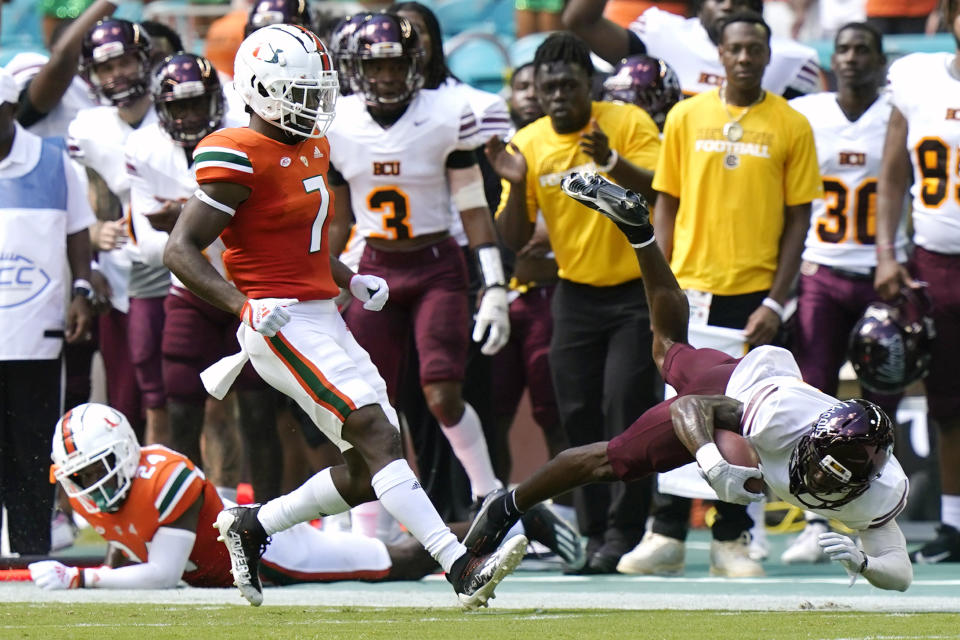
(339, 47)
(109, 40)
(846, 449)
(267, 12)
(890, 344)
(647, 82)
(383, 36)
(188, 97)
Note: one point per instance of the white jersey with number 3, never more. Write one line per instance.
(924, 91)
(778, 410)
(398, 175)
(843, 224)
(684, 44)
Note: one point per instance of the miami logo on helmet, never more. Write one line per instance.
(256, 53)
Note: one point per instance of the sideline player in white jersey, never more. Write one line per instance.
(836, 276)
(401, 155)
(924, 132)
(190, 105)
(114, 58)
(689, 45)
(832, 457)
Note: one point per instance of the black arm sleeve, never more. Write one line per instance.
(334, 177)
(461, 159)
(635, 45)
(27, 114)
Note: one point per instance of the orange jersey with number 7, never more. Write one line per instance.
(276, 244)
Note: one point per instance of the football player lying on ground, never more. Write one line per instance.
(157, 509)
(815, 452)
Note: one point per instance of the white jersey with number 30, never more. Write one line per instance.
(843, 224)
(398, 175)
(778, 410)
(924, 91)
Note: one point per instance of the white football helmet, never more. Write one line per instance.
(286, 76)
(95, 456)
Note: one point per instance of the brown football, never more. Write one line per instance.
(736, 450)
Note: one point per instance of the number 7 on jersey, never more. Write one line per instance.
(316, 183)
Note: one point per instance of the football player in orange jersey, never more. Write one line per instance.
(157, 511)
(263, 190)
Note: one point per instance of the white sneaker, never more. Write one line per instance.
(805, 549)
(656, 554)
(731, 559)
(62, 531)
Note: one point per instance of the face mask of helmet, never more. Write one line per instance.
(890, 344)
(99, 483)
(115, 60)
(291, 85)
(388, 61)
(846, 449)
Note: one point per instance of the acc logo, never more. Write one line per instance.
(21, 280)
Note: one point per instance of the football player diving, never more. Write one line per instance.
(833, 458)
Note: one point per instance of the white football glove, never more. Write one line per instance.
(266, 315)
(372, 291)
(844, 550)
(725, 478)
(493, 314)
(53, 576)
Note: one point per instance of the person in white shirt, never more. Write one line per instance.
(689, 45)
(44, 220)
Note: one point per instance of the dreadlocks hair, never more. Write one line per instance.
(436, 71)
(947, 9)
(565, 47)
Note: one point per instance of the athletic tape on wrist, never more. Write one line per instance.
(708, 456)
(491, 267)
(774, 306)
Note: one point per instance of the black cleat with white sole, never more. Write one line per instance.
(245, 539)
(474, 577)
(627, 209)
(491, 524)
(542, 524)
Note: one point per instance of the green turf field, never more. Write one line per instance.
(126, 621)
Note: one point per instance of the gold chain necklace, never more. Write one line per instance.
(733, 130)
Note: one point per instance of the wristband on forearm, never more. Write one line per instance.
(774, 306)
(708, 456)
(611, 162)
(491, 266)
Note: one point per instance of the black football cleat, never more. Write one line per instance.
(491, 524)
(474, 577)
(944, 548)
(245, 539)
(627, 209)
(542, 524)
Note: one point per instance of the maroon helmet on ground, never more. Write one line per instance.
(890, 345)
(847, 448)
(647, 82)
(383, 36)
(339, 46)
(188, 98)
(267, 12)
(110, 40)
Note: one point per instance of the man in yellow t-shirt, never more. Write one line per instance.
(736, 176)
(599, 354)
